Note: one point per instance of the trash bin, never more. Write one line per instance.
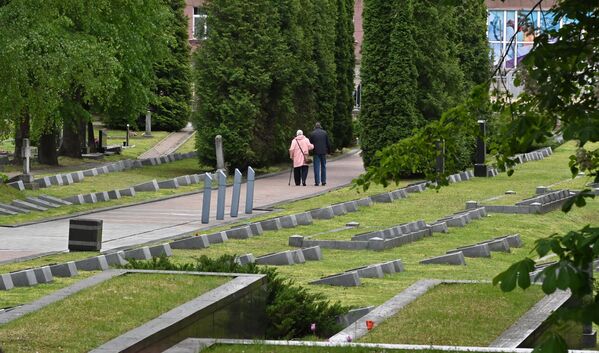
(85, 235)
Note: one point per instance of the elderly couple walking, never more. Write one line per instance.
(299, 153)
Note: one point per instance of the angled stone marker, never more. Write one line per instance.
(271, 224)
(56, 180)
(90, 172)
(239, 233)
(77, 176)
(276, 259)
(477, 250)
(298, 256)
(207, 195)
(102, 196)
(6, 212)
(142, 253)
(6, 282)
(399, 267)
(17, 185)
(297, 241)
(90, 198)
(245, 259)
(312, 253)
(339, 209)
(347, 279)
(304, 218)
(322, 213)
(388, 267)
(372, 271)
(147, 186)
(184, 180)
(114, 194)
(288, 221)
(75, 200)
(222, 191)
(116, 258)
(456, 258)
(96, 263)
(67, 269)
(168, 184)
(195, 242)
(24, 278)
(43, 182)
(384, 197)
(499, 245)
(43, 274)
(27, 205)
(216, 238)
(42, 203)
(127, 192)
(365, 202)
(161, 250)
(54, 200)
(249, 198)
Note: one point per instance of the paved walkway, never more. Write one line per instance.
(128, 226)
(170, 143)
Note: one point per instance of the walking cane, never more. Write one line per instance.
(290, 172)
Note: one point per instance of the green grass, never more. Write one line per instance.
(455, 314)
(188, 146)
(8, 193)
(96, 315)
(141, 144)
(47, 260)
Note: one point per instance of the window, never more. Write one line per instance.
(200, 25)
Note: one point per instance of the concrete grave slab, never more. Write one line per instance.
(102, 196)
(388, 267)
(298, 256)
(256, 229)
(288, 221)
(364, 202)
(500, 245)
(96, 263)
(127, 192)
(350, 206)
(24, 278)
(195, 242)
(384, 197)
(67, 179)
(376, 243)
(194, 179)
(42, 203)
(183, 180)
(54, 200)
(339, 209)
(304, 218)
(245, 259)
(75, 200)
(67, 269)
(168, 184)
(6, 282)
(148, 161)
(90, 198)
(347, 279)
(148, 186)
(456, 258)
(77, 176)
(142, 253)
(439, 227)
(43, 182)
(271, 224)
(322, 213)
(6, 212)
(161, 250)
(239, 233)
(277, 259)
(513, 240)
(56, 180)
(114, 194)
(90, 172)
(399, 194)
(477, 250)
(17, 185)
(164, 159)
(116, 258)
(372, 271)
(43, 274)
(312, 253)
(27, 205)
(464, 176)
(216, 238)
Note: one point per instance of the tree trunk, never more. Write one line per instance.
(91, 140)
(71, 139)
(47, 151)
(22, 131)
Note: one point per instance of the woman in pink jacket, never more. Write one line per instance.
(298, 152)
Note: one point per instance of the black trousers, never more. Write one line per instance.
(300, 174)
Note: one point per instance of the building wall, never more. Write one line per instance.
(358, 30)
(190, 4)
(517, 4)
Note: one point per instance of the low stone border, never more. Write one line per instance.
(347, 278)
(197, 345)
(547, 202)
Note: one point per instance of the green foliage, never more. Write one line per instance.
(267, 69)
(341, 131)
(388, 76)
(417, 153)
(171, 101)
(290, 308)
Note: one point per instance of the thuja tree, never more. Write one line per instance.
(470, 37)
(342, 130)
(238, 67)
(171, 99)
(388, 76)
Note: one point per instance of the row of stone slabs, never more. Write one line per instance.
(46, 274)
(547, 202)
(78, 176)
(45, 202)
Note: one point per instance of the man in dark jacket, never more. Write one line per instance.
(322, 147)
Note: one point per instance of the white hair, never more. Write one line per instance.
(299, 132)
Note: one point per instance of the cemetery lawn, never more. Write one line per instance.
(139, 143)
(456, 315)
(98, 314)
